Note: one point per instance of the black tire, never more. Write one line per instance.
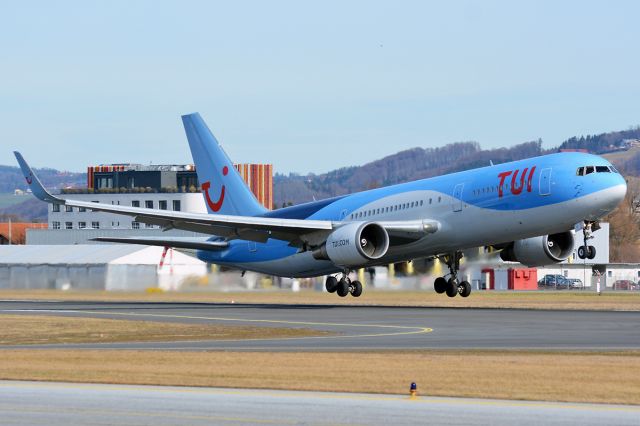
(464, 289)
(440, 285)
(591, 253)
(582, 252)
(331, 284)
(357, 288)
(452, 287)
(343, 288)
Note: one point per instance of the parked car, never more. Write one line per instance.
(575, 283)
(625, 285)
(555, 281)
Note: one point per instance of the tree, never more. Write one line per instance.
(624, 230)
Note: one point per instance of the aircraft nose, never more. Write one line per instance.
(616, 193)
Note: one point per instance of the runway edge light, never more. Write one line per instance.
(413, 390)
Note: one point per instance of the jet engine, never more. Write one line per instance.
(539, 251)
(354, 244)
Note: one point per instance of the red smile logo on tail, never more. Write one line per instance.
(217, 205)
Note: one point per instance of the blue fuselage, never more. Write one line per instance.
(485, 206)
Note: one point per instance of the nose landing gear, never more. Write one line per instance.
(452, 286)
(344, 286)
(586, 251)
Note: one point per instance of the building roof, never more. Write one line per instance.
(87, 254)
(18, 230)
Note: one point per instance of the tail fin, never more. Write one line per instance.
(222, 186)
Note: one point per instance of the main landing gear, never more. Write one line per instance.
(586, 251)
(344, 286)
(452, 286)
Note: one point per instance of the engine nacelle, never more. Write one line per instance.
(540, 251)
(355, 244)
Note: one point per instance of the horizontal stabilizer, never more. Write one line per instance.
(177, 242)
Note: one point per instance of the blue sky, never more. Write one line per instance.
(309, 87)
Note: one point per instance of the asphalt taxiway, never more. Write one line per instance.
(364, 328)
(56, 404)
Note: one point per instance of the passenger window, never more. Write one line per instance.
(430, 200)
(588, 170)
(439, 199)
(421, 202)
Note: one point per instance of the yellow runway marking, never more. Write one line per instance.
(407, 330)
(330, 395)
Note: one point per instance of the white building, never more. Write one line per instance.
(67, 217)
(96, 267)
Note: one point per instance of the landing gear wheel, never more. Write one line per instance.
(582, 252)
(356, 288)
(343, 288)
(452, 287)
(331, 284)
(440, 285)
(586, 252)
(464, 289)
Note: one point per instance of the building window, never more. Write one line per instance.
(68, 209)
(135, 203)
(162, 204)
(104, 182)
(135, 225)
(95, 225)
(82, 209)
(55, 225)
(176, 205)
(609, 274)
(148, 204)
(148, 225)
(55, 208)
(82, 225)
(68, 225)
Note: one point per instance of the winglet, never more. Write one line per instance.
(34, 183)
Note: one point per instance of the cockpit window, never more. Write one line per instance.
(585, 170)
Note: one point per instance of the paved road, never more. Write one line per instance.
(366, 327)
(53, 404)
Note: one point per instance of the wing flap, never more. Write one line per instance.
(176, 242)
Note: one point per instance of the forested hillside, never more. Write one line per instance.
(412, 164)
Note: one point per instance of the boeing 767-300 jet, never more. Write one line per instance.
(528, 209)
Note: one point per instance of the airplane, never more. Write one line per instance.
(527, 209)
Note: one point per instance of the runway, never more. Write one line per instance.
(364, 328)
(56, 404)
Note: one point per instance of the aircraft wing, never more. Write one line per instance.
(259, 229)
(244, 227)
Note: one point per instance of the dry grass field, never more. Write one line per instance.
(611, 377)
(479, 299)
(41, 329)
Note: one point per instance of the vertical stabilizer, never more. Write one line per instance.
(223, 189)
